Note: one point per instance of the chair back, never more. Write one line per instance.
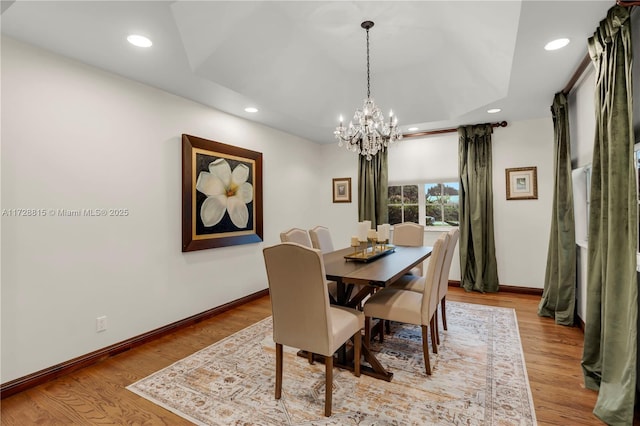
(321, 239)
(408, 234)
(432, 278)
(446, 264)
(296, 235)
(299, 297)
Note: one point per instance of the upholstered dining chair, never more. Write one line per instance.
(411, 307)
(412, 235)
(296, 235)
(302, 315)
(321, 239)
(408, 282)
(444, 276)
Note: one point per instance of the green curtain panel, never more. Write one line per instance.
(559, 296)
(478, 266)
(373, 184)
(609, 356)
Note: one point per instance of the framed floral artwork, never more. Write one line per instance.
(522, 183)
(341, 190)
(221, 194)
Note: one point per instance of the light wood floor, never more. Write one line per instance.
(97, 394)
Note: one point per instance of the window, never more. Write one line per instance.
(430, 204)
(403, 204)
(442, 205)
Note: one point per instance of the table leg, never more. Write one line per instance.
(374, 369)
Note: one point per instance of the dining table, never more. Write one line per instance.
(368, 276)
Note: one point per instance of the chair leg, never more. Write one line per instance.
(367, 331)
(435, 326)
(443, 304)
(357, 349)
(425, 350)
(278, 370)
(434, 338)
(381, 330)
(328, 384)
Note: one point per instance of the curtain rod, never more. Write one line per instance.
(587, 59)
(439, 131)
(577, 74)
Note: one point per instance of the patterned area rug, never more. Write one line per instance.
(479, 378)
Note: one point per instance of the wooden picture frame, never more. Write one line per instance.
(214, 173)
(341, 190)
(522, 183)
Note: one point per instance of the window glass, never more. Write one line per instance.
(442, 206)
(403, 204)
(438, 201)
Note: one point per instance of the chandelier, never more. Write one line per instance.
(368, 132)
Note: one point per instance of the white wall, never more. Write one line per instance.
(75, 137)
(582, 124)
(521, 226)
(426, 159)
(582, 119)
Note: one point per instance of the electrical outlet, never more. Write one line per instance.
(101, 323)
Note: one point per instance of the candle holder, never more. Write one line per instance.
(372, 241)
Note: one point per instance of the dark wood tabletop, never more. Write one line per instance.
(379, 272)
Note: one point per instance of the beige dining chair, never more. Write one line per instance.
(302, 315)
(409, 234)
(411, 307)
(321, 239)
(296, 235)
(408, 282)
(444, 276)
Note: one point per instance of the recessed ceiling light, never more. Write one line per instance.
(412, 129)
(138, 40)
(251, 109)
(493, 110)
(556, 44)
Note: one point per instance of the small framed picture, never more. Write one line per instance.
(341, 190)
(522, 183)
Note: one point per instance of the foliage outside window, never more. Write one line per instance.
(403, 204)
(431, 204)
(442, 206)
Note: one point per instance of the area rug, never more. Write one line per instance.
(479, 378)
